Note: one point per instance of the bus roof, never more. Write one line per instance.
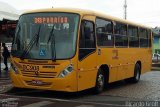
(89, 12)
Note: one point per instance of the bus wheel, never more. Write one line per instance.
(137, 74)
(99, 82)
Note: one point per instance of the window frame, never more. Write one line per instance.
(94, 49)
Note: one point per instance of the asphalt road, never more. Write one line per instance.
(119, 94)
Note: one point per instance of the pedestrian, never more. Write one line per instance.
(5, 54)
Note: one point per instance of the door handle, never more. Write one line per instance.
(99, 51)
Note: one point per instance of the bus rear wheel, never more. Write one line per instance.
(137, 74)
(99, 82)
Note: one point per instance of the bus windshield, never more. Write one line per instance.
(44, 35)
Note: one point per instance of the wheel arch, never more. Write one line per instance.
(105, 69)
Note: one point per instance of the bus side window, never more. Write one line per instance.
(133, 36)
(87, 42)
(120, 32)
(149, 38)
(143, 35)
(104, 32)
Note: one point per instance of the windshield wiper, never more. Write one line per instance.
(52, 38)
(37, 38)
(34, 40)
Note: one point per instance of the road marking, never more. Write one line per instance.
(8, 99)
(5, 88)
(63, 100)
(39, 104)
(3, 83)
(86, 106)
(5, 80)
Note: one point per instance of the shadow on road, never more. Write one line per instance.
(49, 94)
(61, 95)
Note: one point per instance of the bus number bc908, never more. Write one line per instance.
(30, 68)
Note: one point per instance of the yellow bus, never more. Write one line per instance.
(72, 50)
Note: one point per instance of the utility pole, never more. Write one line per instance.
(125, 9)
(53, 3)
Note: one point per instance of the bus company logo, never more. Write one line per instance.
(30, 68)
(37, 73)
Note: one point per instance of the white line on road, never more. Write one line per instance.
(85, 106)
(5, 88)
(1, 82)
(63, 100)
(8, 99)
(39, 104)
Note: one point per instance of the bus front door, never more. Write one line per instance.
(87, 63)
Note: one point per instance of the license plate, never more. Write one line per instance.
(38, 82)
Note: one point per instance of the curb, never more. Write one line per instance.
(155, 69)
(156, 65)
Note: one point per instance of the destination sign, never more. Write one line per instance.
(50, 20)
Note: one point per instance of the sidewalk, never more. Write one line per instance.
(4, 74)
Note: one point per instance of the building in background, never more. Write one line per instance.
(8, 21)
(156, 40)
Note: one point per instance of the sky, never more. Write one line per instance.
(146, 12)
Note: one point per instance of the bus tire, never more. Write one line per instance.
(137, 74)
(99, 82)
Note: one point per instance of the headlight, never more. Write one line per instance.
(14, 69)
(66, 71)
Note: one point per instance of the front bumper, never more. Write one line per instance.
(67, 84)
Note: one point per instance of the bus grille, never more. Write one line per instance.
(41, 74)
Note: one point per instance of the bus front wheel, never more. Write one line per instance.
(99, 82)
